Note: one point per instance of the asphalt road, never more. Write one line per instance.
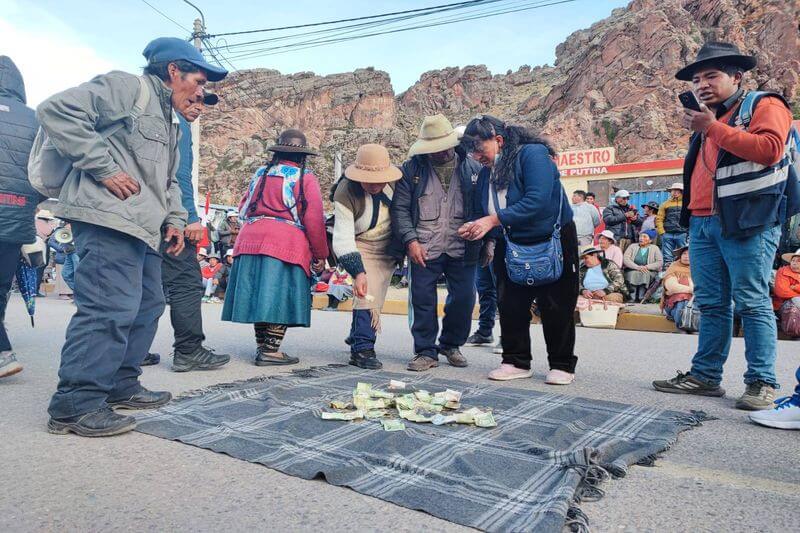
(728, 475)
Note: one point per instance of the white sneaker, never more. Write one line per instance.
(785, 415)
(559, 377)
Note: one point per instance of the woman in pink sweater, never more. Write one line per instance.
(282, 237)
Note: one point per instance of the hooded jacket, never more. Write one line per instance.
(18, 128)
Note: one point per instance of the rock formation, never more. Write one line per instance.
(612, 84)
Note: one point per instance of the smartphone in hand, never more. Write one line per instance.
(689, 101)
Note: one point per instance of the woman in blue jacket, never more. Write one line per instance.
(521, 171)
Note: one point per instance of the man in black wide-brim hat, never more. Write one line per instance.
(738, 190)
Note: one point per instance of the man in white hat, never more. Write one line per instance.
(228, 230)
(668, 224)
(622, 219)
(431, 201)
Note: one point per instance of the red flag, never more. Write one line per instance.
(204, 242)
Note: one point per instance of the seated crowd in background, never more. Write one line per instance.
(642, 262)
(601, 279)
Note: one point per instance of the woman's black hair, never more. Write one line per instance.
(485, 127)
(277, 157)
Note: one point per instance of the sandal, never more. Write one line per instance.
(274, 358)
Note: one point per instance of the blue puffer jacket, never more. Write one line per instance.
(533, 197)
(18, 127)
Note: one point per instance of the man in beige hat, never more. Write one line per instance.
(362, 235)
(668, 224)
(432, 200)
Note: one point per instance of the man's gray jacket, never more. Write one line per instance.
(17, 130)
(146, 149)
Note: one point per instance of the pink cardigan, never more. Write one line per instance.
(280, 240)
(614, 254)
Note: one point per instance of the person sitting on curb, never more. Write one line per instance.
(211, 278)
(600, 279)
(787, 284)
(678, 286)
(202, 257)
(642, 262)
(362, 235)
(608, 244)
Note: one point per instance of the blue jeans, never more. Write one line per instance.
(119, 299)
(675, 312)
(68, 272)
(487, 299)
(670, 242)
(361, 331)
(729, 271)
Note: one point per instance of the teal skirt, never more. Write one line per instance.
(265, 289)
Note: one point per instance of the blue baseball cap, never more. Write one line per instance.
(173, 49)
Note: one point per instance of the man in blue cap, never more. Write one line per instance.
(183, 284)
(121, 133)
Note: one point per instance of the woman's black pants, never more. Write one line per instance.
(556, 303)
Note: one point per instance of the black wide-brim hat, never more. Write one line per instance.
(292, 141)
(717, 51)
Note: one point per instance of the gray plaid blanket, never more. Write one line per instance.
(548, 452)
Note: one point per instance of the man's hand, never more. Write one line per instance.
(487, 253)
(698, 121)
(416, 253)
(194, 232)
(360, 285)
(174, 236)
(476, 229)
(318, 266)
(121, 185)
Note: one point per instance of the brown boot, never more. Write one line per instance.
(421, 363)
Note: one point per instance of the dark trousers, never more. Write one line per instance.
(9, 259)
(556, 302)
(487, 299)
(119, 300)
(423, 318)
(183, 288)
(362, 333)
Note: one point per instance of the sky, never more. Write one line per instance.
(58, 43)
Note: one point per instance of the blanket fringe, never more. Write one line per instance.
(577, 521)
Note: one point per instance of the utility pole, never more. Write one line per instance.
(198, 33)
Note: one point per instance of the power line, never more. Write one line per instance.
(430, 11)
(323, 42)
(178, 24)
(345, 20)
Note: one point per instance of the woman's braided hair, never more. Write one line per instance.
(485, 127)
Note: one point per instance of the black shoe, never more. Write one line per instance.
(101, 423)
(144, 399)
(151, 359)
(688, 384)
(476, 339)
(366, 360)
(200, 359)
(265, 358)
(349, 340)
(454, 357)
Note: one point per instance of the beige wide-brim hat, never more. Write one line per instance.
(45, 214)
(608, 235)
(676, 186)
(435, 135)
(373, 165)
(788, 256)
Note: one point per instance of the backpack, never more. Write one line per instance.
(792, 192)
(689, 319)
(790, 320)
(48, 169)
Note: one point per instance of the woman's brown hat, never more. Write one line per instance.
(373, 165)
(292, 141)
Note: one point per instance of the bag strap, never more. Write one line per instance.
(139, 105)
(745, 114)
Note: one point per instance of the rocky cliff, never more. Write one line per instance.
(612, 84)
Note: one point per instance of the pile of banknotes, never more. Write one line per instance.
(399, 402)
